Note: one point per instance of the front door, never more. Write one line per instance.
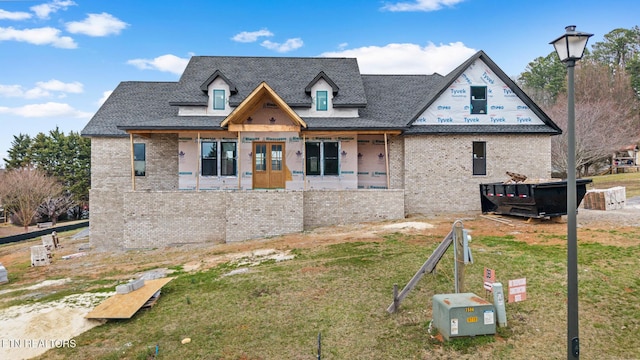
(268, 165)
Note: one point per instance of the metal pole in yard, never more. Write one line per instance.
(458, 240)
(570, 48)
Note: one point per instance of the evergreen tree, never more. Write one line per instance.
(19, 153)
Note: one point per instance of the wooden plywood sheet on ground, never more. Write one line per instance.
(123, 306)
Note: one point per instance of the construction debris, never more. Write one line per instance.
(73, 256)
(129, 287)
(40, 256)
(605, 199)
(516, 178)
(3, 275)
(497, 218)
(124, 306)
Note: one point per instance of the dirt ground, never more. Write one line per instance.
(26, 326)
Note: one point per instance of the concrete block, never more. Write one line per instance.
(123, 289)
(136, 284)
(40, 256)
(47, 241)
(3, 275)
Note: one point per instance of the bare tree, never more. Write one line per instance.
(23, 190)
(606, 116)
(54, 206)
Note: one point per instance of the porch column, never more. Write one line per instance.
(133, 170)
(239, 170)
(386, 156)
(304, 160)
(198, 167)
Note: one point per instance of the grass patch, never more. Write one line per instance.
(631, 181)
(276, 310)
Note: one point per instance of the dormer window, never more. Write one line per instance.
(218, 99)
(322, 100)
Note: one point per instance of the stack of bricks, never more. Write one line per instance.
(130, 286)
(3, 275)
(605, 199)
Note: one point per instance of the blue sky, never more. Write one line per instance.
(59, 59)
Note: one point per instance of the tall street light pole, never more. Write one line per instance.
(570, 48)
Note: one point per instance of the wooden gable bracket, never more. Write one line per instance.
(236, 120)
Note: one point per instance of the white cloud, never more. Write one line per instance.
(166, 63)
(44, 10)
(97, 25)
(289, 45)
(46, 110)
(11, 90)
(247, 37)
(421, 5)
(42, 89)
(105, 96)
(38, 36)
(407, 58)
(18, 15)
(57, 85)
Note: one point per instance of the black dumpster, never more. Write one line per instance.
(536, 200)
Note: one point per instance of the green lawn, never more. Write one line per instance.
(276, 310)
(631, 181)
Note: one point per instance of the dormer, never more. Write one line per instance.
(218, 89)
(322, 91)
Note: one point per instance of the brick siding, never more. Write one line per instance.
(438, 173)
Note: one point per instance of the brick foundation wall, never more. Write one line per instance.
(141, 219)
(439, 171)
(325, 208)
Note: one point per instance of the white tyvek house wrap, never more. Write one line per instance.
(453, 107)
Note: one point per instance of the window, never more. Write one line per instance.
(276, 157)
(228, 159)
(209, 158)
(330, 158)
(312, 150)
(479, 158)
(218, 157)
(322, 100)
(322, 158)
(478, 99)
(218, 100)
(139, 159)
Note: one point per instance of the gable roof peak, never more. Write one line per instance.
(218, 74)
(482, 56)
(325, 77)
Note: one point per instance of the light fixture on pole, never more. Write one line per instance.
(570, 48)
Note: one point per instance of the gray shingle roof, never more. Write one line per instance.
(132, 102)
(393, 98)
(386, 102)
(288, 77)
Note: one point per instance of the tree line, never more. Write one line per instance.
(46, 176)
(607, 99)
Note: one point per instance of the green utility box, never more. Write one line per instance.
(466, 314)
